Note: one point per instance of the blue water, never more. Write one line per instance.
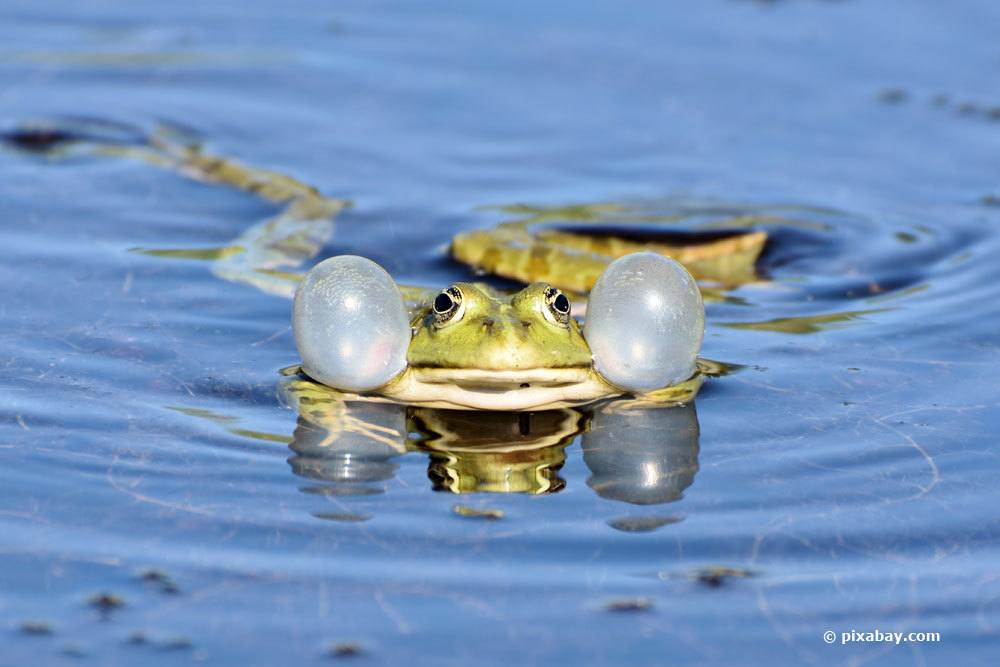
(849, 465)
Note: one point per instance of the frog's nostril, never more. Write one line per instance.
(488, 322)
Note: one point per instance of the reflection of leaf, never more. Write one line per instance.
(807, 324)
(261, 435)
(486, 513)
(203, 414)
(226, 420)
(206, 254)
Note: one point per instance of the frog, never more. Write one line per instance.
(636, 332)
(474, 347)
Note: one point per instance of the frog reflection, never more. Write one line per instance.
(635, 453)
(500, 452)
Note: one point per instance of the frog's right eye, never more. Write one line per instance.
(448, 306)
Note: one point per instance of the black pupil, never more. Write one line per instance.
(561, 304)
(443, 303)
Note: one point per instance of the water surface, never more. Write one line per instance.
(848, 464)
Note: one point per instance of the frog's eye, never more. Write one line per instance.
(645, 322)
(351, 325)
(556, 306)
(448, 306)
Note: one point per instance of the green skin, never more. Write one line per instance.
(493, 332)
(497, 352)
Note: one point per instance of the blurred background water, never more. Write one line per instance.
(849, 465)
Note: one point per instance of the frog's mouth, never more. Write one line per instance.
(476, 389)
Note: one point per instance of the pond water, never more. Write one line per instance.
(841, 477)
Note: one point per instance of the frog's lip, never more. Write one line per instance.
(474, 389)
(507, 379)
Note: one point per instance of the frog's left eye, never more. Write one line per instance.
(448, 306)
(556, 306)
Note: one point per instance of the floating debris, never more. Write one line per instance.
(629, 605)
(177, 644)
(162, 579)
(73, 651)
(137, 638)
(716, 576)
(643, 524)
(713, 576)
(106, 602)
(37, 628)
(893, 96)
(990, 200)
(345, 650)
(485, 513)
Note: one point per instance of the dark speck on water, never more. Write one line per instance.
(345, 650)
(161, 579)
(712, 576)
(629, 605)
(716, 576)
(38, 628)
(73, 651)
(893, 96)
(162, 449)
(106, 602)
(37, 139)
(177, 644)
